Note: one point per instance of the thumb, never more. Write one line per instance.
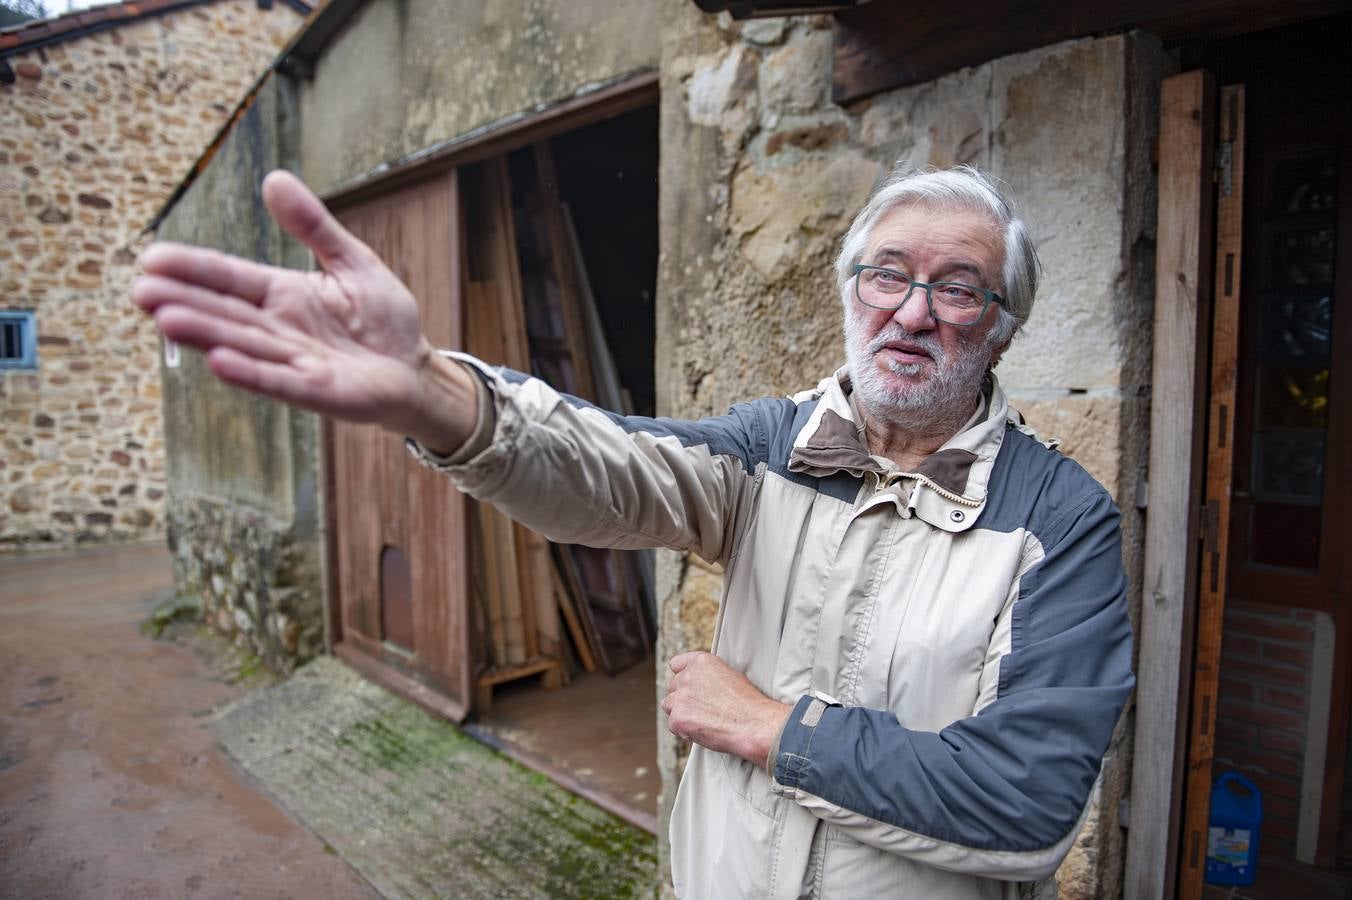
(302, 214)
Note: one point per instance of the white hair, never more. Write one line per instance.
(959, 188)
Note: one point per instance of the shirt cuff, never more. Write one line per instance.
(792, 750)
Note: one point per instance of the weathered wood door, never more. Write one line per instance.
(399, 547)
(1273, 664)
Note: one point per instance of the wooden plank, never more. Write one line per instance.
(1168, 606)
(575, 327)
(512, 673)
(1225, 321)
(881, 46)
(566, 606)
(609, 391)
(546, 612)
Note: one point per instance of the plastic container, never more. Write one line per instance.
(1232, 838)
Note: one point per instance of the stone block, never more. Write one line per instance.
(797, 77)
(778, 211)
(1059, 144)
(1092, 428)
(29, 498)
(765, 32)
(720, 87)
(700, 591)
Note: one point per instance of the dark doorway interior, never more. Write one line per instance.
(596, 734)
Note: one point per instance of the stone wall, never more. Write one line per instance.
(244, 517)
(760, 175)
(95, 134)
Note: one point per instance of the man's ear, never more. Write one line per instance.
(999, 352)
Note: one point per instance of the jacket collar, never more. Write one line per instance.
(950, 486)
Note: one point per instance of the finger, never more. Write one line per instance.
(680, 661)
(667, 703)
(211, 269)
(276, 380)
(150, 292)
(300, 212)
(201, 331)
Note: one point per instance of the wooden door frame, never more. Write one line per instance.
(1177, 426)
(1184, 588)
(1223, 339)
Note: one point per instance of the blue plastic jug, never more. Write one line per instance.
(1232, 838)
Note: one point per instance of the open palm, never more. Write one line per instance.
(345, 341)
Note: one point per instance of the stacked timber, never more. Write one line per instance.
(541, 608)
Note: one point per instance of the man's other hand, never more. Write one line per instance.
(715, 706)
(345, 341)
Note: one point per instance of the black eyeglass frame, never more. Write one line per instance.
(988, 294)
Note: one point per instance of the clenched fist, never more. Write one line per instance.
(715, 706)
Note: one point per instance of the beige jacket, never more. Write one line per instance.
(955, 639)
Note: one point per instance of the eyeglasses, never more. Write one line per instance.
(948, 301)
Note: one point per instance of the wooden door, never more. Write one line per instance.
(399, 548)
(1273, 660)
(1291, 521)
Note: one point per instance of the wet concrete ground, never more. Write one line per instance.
(111, 784)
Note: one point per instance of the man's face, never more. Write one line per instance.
(909, 369)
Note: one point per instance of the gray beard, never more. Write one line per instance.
(938, 406)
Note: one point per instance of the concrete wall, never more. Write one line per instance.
(760, 174)
(95, 134)
(243, 517)
(406, 75)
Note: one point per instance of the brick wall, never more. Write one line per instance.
(1260, 732)
(95, 134)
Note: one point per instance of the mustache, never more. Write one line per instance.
(893, 333)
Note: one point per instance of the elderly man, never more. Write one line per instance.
(923, 645)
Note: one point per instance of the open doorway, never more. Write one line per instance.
(1286, 652)
(560, 250)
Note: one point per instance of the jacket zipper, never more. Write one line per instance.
(941, 491)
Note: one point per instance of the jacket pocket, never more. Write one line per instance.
(750, 782)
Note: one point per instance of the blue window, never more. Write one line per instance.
(18, 340)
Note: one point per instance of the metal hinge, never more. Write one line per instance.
(1211, 526)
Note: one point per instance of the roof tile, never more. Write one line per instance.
(16, 37)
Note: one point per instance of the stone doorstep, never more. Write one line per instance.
(419, 808)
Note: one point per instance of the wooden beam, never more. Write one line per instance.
(884, 45)
(1225, 319)
(1168, 604)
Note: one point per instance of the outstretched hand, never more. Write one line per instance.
(345, 341)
